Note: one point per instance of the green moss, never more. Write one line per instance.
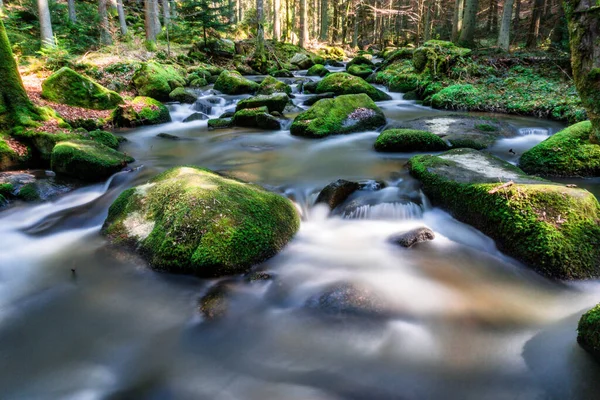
(360, 60)
(343, 83)
(198, 82)
(566, 153)
(552, 228)
(340, 115)
(156, 80)
(87, 160)
(29, 192)
(256, 118)
(270, 85)
(219, 123)
(6, 189)
(436, 56)
(191, 220)
(68, 87)
(282, 73)
(105, 138)
(317, 70)
(588, 331)
(140, 111)
(362, 71)
(486, 128)
(274, 102)
(232, 82)
(9, 159)
(44, 142)
(181, 95)
(408, 140)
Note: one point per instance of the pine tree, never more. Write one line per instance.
(205, 15)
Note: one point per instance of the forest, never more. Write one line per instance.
(300, 199)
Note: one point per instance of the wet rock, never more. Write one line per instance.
(588, 332)
(232, 82)
(227, 114)
(302, 61)
(313, 99)
(274, 102)
(309, 87)
(33, 185)
(362, 71)
(197, 116)
(256, 276)
(140, 111)
(334, 63)
(282, 73)
(270, 85)
(168, 136)
(343, 83)
(214, 304)
(220, 123)
(317, 70)
(408, 140)
(412, 237)
(256, 118)
(181, 95)
(337, 192)
(360, 60)
(347, 299)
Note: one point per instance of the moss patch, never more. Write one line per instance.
(140, 111)
(274, 102)
(343, 83)
(588, 331)
(157, 81)
(270, 85)
(408, 140)
(317, 70)
(181, 95)
(232, 82)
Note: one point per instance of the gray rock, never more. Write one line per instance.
(168, 136)
(197, 116)
(347, 299)
(312, 100)
(337, 192)
(412, 237)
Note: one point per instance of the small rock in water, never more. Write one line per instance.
(258, 276)
(337, 192)
(412, 237)
(214, 304)
(346, 299)
(168, 136)
(197, 116)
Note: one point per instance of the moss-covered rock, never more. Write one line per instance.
(343, 114)
(552, 228)
(87, 160)
(397, 55)
(359, 60)
(181, 95)
(270, 85)
(9, 157)
(343, 83)
(274, 102)
(193, 221)
(214, 46)
(408, 140)
(362, 71)
(282, 73)
(198, 82)
(157, 81)
(258, 117)
(317, 70)
(456, 97)
(232, 82)
(588, 332)
(437, 56)
(566, 153)
(66, 86)
(220, 123)
(302, 61)
(140, 111)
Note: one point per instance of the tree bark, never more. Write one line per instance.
(166, 12)
(427, 25)
(467, 34)
(324, 21)
(457, 20)
(583, 17)
(504, 34)
(149, 21)
(276, 20)
(260, 58)
(46, 35)
(156, 17)
(534, 26)
(122, 21)
(517, 23)
(105, 37)
(71, 5)
(355, 30)
(303, 24)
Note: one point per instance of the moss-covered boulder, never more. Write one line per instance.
(198, 82)
(359, 60)
(274, 102)
(588, 332)
(340, 115)
(191, 220)
(66, 86)
(181, 95)
(302, 61)
(220, 123)
(550, 227)
(157, 80)
(317, 70)
(408, 140)
(437, 56)
(282, 73)
(400, 54)
(87, 160)
(258, 117)
(140, 111)
(566, 153)
(343, 83)
(362, 71)
(232, 82)
(270, 85)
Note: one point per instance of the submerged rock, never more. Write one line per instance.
(197, 116)
(157, 81)
(191, 220)
(274, 102)
(140, 111)
(408, 140)
(343, 83)
(168, 136)
(337, 192)
(232, 82)
(270, 85)
(566, 153)
(347, 299)
(66, 86)
(552, 228)
(32, 185)
(343, 114)
(215, 303)
(87, 160)
(412, 237)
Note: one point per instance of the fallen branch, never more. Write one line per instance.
(503, 186)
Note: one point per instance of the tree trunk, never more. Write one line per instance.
(72, 14)
(583, 17)
(470, 20)
(240, 11)
(504, 35)
(559, 30)
(260, 57)
(276, 20)
(46, 34)
(166, 12)
(336, 16)
(534, 26)
(517, 23)
(105, 37)
(427, 25)
(122, 22)
(345, 22)
(174, 10)
(149, 22)
(303, 24)
(324, 21)
(355, 31)
(156, 17)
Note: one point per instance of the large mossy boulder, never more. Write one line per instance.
(270, 85)
(274, 102)
(157, 80)
(258, 117)
(66, 86)
(566, 153)
(183, 96)
(302, 61)
(362, 71)
(409, 140)
(437, 56)
(360, 60)
(317, 70)
(191, 220)
(87, 160)
(140, 111)
(218, 47)
(232, 82)
(550, 227)
(343, 83)
(340, 115)
(588, 332)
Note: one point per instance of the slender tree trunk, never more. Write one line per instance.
(105, 37)
(427, 27)
(122, 21)
(303, 24)
(559, 29)
(72, 14)
(534, 26)
(355, 30)
(260, 57)
(240, 11)
(517, 23)
(166, 12)
(345, 22)
(174, 10)
(46, 34)
(336, 16)
(583, 18)
(324, 21)
(287, 35)
(276, 20)
(156, 17)
(149, 21)
(504, 35)
(467, 34)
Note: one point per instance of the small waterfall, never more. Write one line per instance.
(399, 211)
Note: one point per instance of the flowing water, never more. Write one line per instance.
(451, 319)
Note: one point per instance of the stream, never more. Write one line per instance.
(460, 320)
